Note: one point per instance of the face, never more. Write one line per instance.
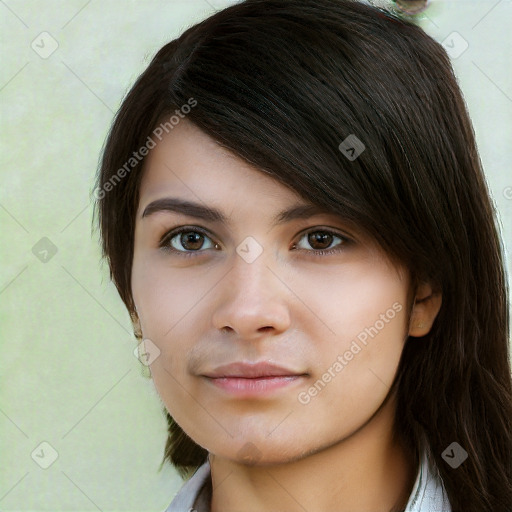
(275, 336)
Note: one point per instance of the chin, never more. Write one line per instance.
(263, 452)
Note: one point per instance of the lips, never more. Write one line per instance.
(259, 370)
(245, 381)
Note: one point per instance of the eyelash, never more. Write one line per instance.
(167, 237)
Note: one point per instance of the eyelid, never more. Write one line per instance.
(333, 230)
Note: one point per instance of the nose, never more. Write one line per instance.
(252, 299)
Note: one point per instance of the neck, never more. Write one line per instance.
(366, 472)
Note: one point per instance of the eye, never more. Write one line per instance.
(320, 240)
(186, 241)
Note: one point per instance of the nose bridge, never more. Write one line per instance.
(250, 274)
(252, 296)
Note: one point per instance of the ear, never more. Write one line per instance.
(145, 370)
(427, 304)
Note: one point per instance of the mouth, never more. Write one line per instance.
(249, 380)
(249, 370)
(249, 388)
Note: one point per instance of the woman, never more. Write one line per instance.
(294, 213)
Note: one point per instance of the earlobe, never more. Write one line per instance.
(427, 304)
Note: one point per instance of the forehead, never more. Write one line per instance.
(188, 163)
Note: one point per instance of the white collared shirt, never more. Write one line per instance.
(428, 493)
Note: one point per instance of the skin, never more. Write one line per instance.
(288, 306)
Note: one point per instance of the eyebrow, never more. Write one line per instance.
(208, 213)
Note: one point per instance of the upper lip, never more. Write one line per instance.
(251, 370)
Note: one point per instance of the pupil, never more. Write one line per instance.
(191, 239)
(322, 238)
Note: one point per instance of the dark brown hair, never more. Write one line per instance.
(281, 83)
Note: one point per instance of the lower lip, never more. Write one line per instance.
(253, 387)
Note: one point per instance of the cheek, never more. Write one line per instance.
(359, 328)
(168, 303)
(358, 355)
(166, 296)
(367, 300)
